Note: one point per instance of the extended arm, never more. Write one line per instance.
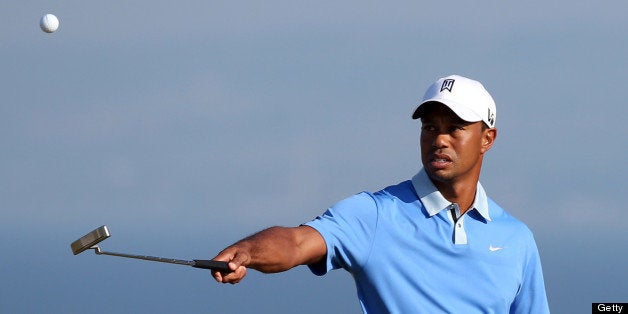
(272, 250)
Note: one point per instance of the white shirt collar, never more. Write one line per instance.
(434, 201)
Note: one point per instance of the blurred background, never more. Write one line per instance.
(185, 126)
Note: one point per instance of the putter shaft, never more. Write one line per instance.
(206, 264)
(145, 257)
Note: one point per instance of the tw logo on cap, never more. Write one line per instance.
(448, 84)
(491, 117)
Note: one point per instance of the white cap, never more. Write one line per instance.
(464, 96)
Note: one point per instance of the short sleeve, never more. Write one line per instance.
(348, 228)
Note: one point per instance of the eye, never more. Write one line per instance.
(427, 127)
(456, 128)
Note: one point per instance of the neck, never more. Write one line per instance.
(461, 191)
(461, 194)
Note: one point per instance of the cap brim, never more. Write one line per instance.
(461, 111)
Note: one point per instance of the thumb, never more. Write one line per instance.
(239, 259)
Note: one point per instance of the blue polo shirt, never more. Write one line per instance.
(408, 254)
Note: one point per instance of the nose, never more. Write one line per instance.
(441, 140)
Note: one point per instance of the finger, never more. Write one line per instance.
(220, 276)
(236, 274)
(217, 276)
(234, 277)
(225, 256)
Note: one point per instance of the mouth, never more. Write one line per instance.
(440, 161)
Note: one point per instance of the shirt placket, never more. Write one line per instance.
(460, 235)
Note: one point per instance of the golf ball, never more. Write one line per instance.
(49, 23)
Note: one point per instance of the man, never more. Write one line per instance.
(432, 244)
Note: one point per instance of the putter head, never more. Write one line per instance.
(89, 240)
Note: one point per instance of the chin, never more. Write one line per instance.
(439, 175)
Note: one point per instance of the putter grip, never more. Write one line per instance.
(213, 265)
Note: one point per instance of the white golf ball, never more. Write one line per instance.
(49, 23)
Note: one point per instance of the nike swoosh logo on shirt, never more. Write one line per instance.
(494, 248)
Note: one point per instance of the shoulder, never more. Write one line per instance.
(367, 202)
(505, 220)
(403, 191)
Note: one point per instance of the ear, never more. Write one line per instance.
(488, 138)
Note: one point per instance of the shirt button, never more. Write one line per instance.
(459, 225)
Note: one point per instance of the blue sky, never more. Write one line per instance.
(186, 126)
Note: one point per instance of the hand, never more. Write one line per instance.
(273, 250)
(238, 259)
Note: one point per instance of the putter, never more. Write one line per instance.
(90, 241)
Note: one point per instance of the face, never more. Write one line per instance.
(451, 148)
